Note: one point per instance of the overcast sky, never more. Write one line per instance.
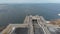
(29, 1)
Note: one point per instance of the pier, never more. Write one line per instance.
(32, 25)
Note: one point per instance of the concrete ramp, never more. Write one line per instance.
(32, 25)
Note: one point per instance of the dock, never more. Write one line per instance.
(32, 25)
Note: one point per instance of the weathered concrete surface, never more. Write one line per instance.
(35, 24)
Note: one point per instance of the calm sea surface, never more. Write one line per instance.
(15, 13)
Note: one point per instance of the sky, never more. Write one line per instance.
(29, 1)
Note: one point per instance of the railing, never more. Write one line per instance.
(28, 23)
